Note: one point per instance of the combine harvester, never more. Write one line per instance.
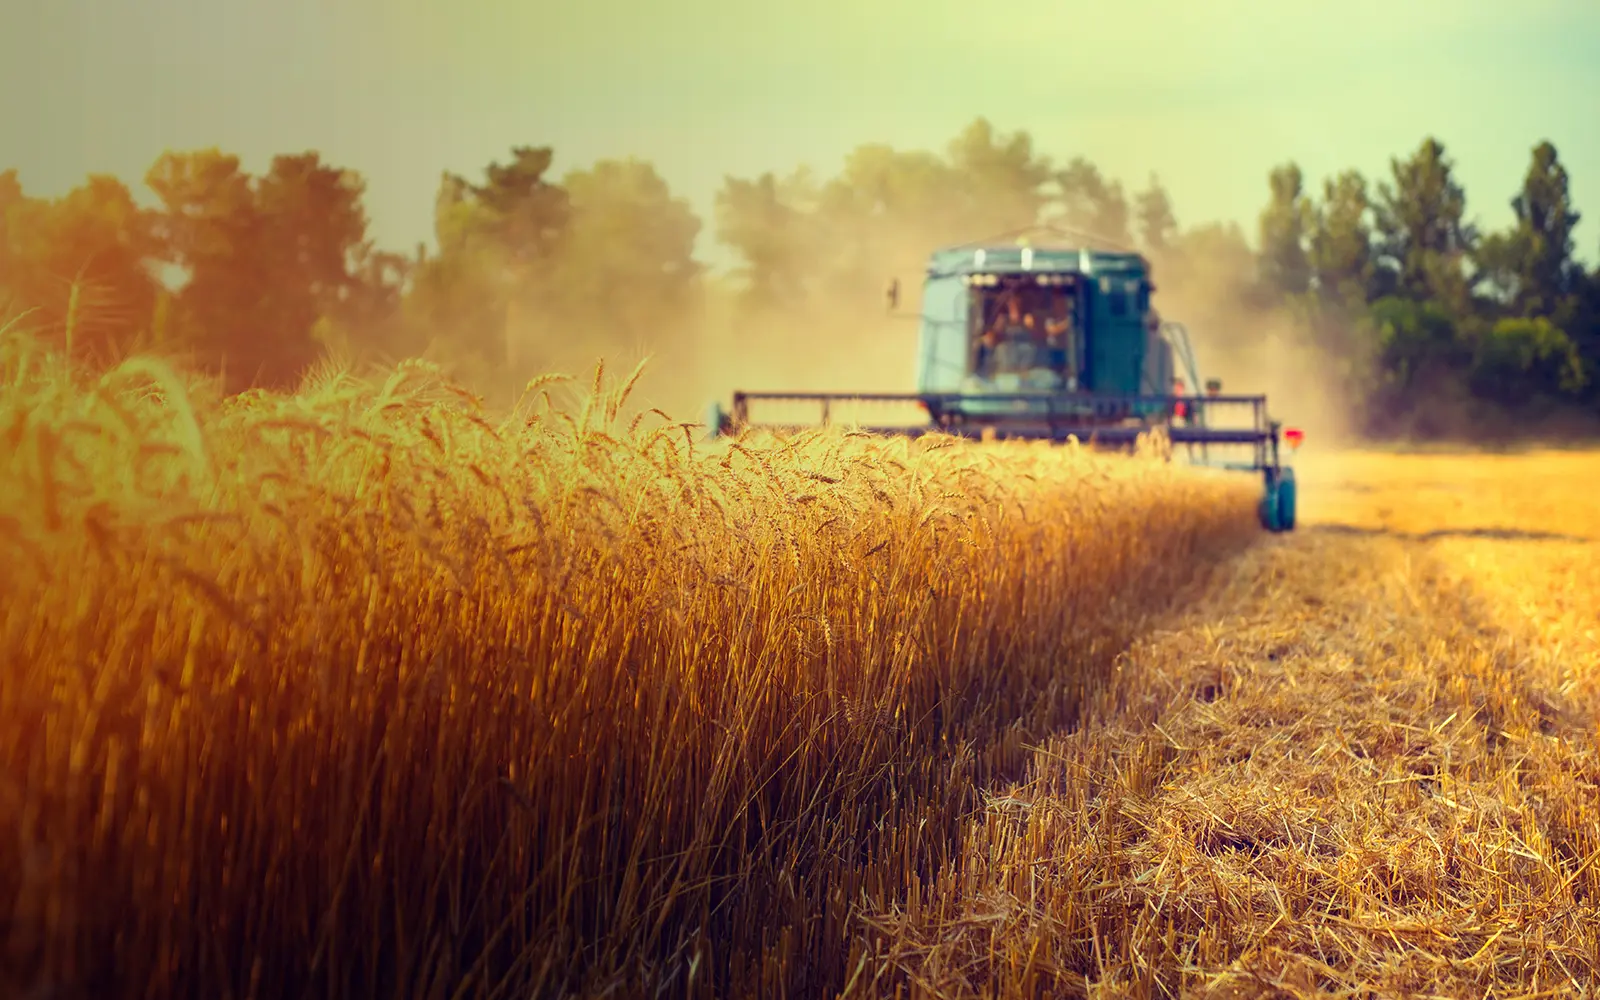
(1054, 342)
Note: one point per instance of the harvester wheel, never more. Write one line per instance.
(1267, 511)
(1278, 501)
(1286, 500)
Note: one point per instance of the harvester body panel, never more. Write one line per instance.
(943, 346)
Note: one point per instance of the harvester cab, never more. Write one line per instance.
(1055, 340)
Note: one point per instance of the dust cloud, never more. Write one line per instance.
(836, 336)
(839, 346)
(1262, 351)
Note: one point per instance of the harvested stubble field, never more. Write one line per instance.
(364, 692)
(1362, 762)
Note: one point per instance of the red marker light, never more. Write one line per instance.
(1294, 436)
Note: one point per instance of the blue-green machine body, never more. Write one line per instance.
(1052, 342)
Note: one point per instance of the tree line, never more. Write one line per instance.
(1426, 325)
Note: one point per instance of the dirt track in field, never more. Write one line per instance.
(1362, 761)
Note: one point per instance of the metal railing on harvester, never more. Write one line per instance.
(1094, 418)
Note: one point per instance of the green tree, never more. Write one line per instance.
(1423, 238)
(12, 202)
(265, 258)
(1584, 331)
(889, 207)
(460, 295)
(1418, 346)
(1497, 258)
(770, 232)
(1340, 251)
(1534, 261)
(1002, 178)
(625, 263)
(879, 216)
(1523, 360)
(1091, 204)
(1339, 256)
(523, 211)
(802, 243)
(880, 184)
(1285, 224)
(79, 267)
(315, 229)
(496, 261)
(207, 208)
(1158, 227)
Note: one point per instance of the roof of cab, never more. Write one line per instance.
(1009, 258)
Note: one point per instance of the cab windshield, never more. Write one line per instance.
(1027, 327)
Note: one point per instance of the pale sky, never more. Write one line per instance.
(1207, 93)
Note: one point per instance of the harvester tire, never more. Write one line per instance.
(1267, 510)
(1286, 500)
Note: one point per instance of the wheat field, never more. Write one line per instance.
(366, 691)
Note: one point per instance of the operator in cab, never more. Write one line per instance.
(1059, 343)
(1010, 338)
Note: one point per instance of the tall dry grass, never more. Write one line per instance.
(367, 692)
